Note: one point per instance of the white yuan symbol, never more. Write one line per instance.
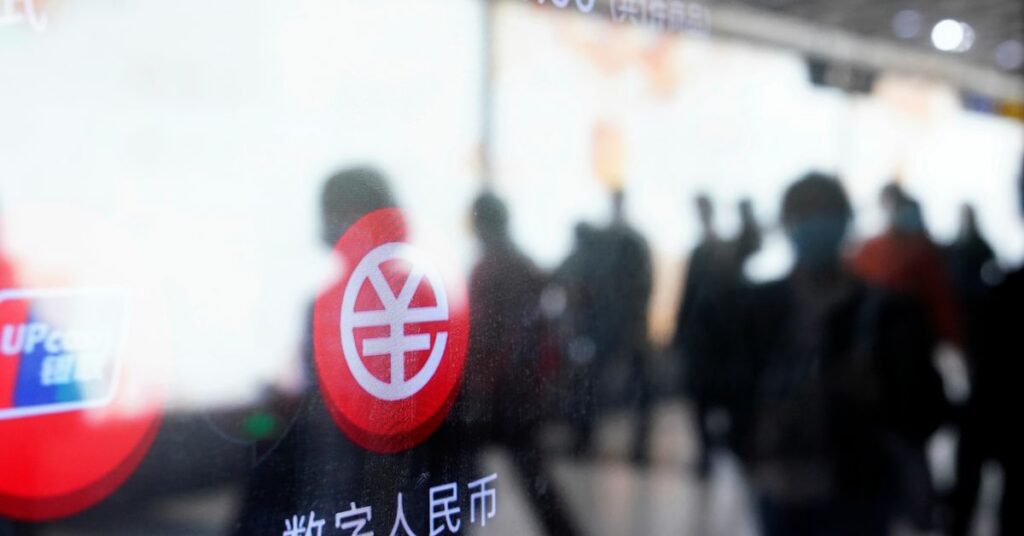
(396, 314)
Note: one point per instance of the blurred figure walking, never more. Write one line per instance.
(622, 298)
(986, 432)
(831, 362)
(314, 462)
(707, 314)
(904, 259)
(502, 385)
(973, 270)
(608, 282)
(502, 400)
(577, 278)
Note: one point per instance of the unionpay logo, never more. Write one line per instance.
(59, 350)
(75, 419)
(390, 337)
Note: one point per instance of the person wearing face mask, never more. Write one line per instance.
(828, 360)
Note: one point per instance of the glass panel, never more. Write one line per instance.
(509, 267)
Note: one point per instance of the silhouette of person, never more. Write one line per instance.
(986, 431)
(607, 278)
(703, 381)
(904, 259)
(749, 240)
(502, 397)
(832, 368)
(972, 267)
(315, 467)
(622, 296)
(502, 383)
(577, 277)
(703, 263)
(708, 312)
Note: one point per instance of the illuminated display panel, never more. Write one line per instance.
(165, 190)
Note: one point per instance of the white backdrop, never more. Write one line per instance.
(199, 134)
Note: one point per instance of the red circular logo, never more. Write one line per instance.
(76, 416)
(390, 337)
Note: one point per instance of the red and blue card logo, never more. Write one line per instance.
(77, 411)
(59, 350)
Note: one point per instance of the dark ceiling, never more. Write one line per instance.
(994, 21)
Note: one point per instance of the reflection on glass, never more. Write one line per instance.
(496, 267)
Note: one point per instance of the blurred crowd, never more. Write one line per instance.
(823, 385)
(827, 377)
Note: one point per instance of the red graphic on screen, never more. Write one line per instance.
(70, 431)
(390, 337)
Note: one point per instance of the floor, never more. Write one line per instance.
(606, 495)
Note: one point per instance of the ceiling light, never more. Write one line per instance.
(907, 24)
(949, 35)
(1010, 55)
